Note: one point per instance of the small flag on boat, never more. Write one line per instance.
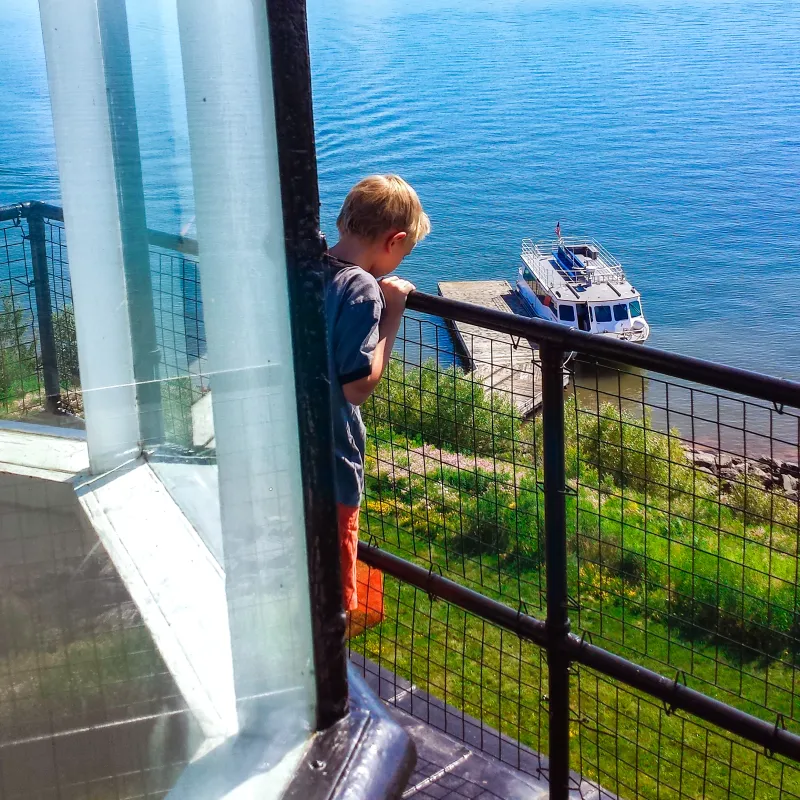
(558, 229)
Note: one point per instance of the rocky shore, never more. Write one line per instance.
(772, 474)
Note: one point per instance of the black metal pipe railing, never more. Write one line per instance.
(22, 210)
(553, 634)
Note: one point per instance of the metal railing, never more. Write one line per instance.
(39, 368)
(36, 312)
(606, 593)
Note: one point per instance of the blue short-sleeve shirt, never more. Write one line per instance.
(354, 304)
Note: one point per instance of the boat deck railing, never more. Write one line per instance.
(539, 257)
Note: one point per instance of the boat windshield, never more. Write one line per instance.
(566, 313)
(602, 314)
(620, 312)
(636, 308)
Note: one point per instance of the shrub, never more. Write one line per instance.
(738, 609)
(488, 522)
(17, 355)
(526, 549)
(749, 496)
(66, 347)
(629, 451)
(475, 482)
(445, 408)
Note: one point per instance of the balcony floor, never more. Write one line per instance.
(458, 756)
(87, 706)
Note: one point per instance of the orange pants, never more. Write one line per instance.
(348, 552)
(362, 586)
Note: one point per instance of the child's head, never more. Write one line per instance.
(384, 211)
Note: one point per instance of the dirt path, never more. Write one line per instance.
(398, 461)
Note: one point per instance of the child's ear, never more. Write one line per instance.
(396, 240)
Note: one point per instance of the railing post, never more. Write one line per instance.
(44, 308)
(294, 119)
(557, 622)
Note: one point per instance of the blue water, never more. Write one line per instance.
(670, 131)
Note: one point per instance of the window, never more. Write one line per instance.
(224, 626)
(621, 312)
(636, 308)
(530, 278)
(566, 313)
(602, 314)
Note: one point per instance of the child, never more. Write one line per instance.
(379, 224)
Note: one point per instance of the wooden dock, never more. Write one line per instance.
(503, 363)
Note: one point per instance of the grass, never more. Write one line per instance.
(667, 567)
(21, 383)
(18, 363)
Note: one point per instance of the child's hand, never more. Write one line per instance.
(395, 291)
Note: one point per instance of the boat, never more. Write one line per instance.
(578, 283)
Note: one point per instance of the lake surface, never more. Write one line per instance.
(668, 131)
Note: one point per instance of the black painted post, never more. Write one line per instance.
(44, 308)
(557, 622)
(291, 77)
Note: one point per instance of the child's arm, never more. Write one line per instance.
(395, 291)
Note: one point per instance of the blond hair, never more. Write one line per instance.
(382, 203)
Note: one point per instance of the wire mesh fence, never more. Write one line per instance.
(682, 529)
(177, 302)
(635, 746)
(20, 374)
(180, 332)
(462, 675)
(686, 525)
(66, 339)
(88, 707)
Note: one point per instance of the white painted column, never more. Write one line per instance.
(88, 188)
(226, 60)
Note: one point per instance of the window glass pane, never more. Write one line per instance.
(636, 308)
(602, 314)
(566, 313)
(175, 307)
(621, 312)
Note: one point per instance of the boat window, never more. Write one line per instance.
(620, 311)
(530, 278)
(636, 308)
(566, 313)
(602, 314)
